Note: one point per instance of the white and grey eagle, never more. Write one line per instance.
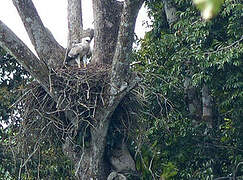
(80, 52)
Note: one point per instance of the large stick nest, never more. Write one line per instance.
(80, 91)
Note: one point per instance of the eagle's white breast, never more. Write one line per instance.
(80, 51)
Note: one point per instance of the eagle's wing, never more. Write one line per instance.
(79, 52)
(76, 50)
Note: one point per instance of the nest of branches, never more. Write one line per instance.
(80, 91)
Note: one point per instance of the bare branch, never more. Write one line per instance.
(11, 43)
(233, 45)
(48, 50)
(75, 22)
(107, 14)
(236, 169)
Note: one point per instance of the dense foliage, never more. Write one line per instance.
(48, 161)
(12, 78)
(179, 146)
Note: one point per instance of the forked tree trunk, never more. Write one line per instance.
(113, 37)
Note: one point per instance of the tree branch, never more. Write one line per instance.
(107, 14)
(11, 43)
(75, 22)
(191, 98)
(48, 50)
(170, 12)
(207, 105)
(120, 65)
(126, 31)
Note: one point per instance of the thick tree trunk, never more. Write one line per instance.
(113, 34)
(191, 96)
(113, 43)
(75, 22)
(106, 26)
(90, 163)
(191, 99)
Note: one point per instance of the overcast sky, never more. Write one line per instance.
(54, 16)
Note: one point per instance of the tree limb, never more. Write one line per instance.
(126, 31)
(11, 43)
(206, 105)
(170, 12)
(48, 51)
(107, 14)
(88, 33)
(75, 22)
(120, 64)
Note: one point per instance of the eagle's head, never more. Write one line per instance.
(86, 40)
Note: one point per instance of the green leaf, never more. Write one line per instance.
(208, 8)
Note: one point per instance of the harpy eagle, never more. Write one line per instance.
(80, 51)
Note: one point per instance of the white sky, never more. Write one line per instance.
(54, 16)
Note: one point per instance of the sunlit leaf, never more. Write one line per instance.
(208, 8)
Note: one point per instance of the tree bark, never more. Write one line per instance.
(170, 12)
(113, 35)
(191, 98)
(48, 51)
(121, 76)
(10, 42)
(75, 22)
(107, 15)
(207, 106)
